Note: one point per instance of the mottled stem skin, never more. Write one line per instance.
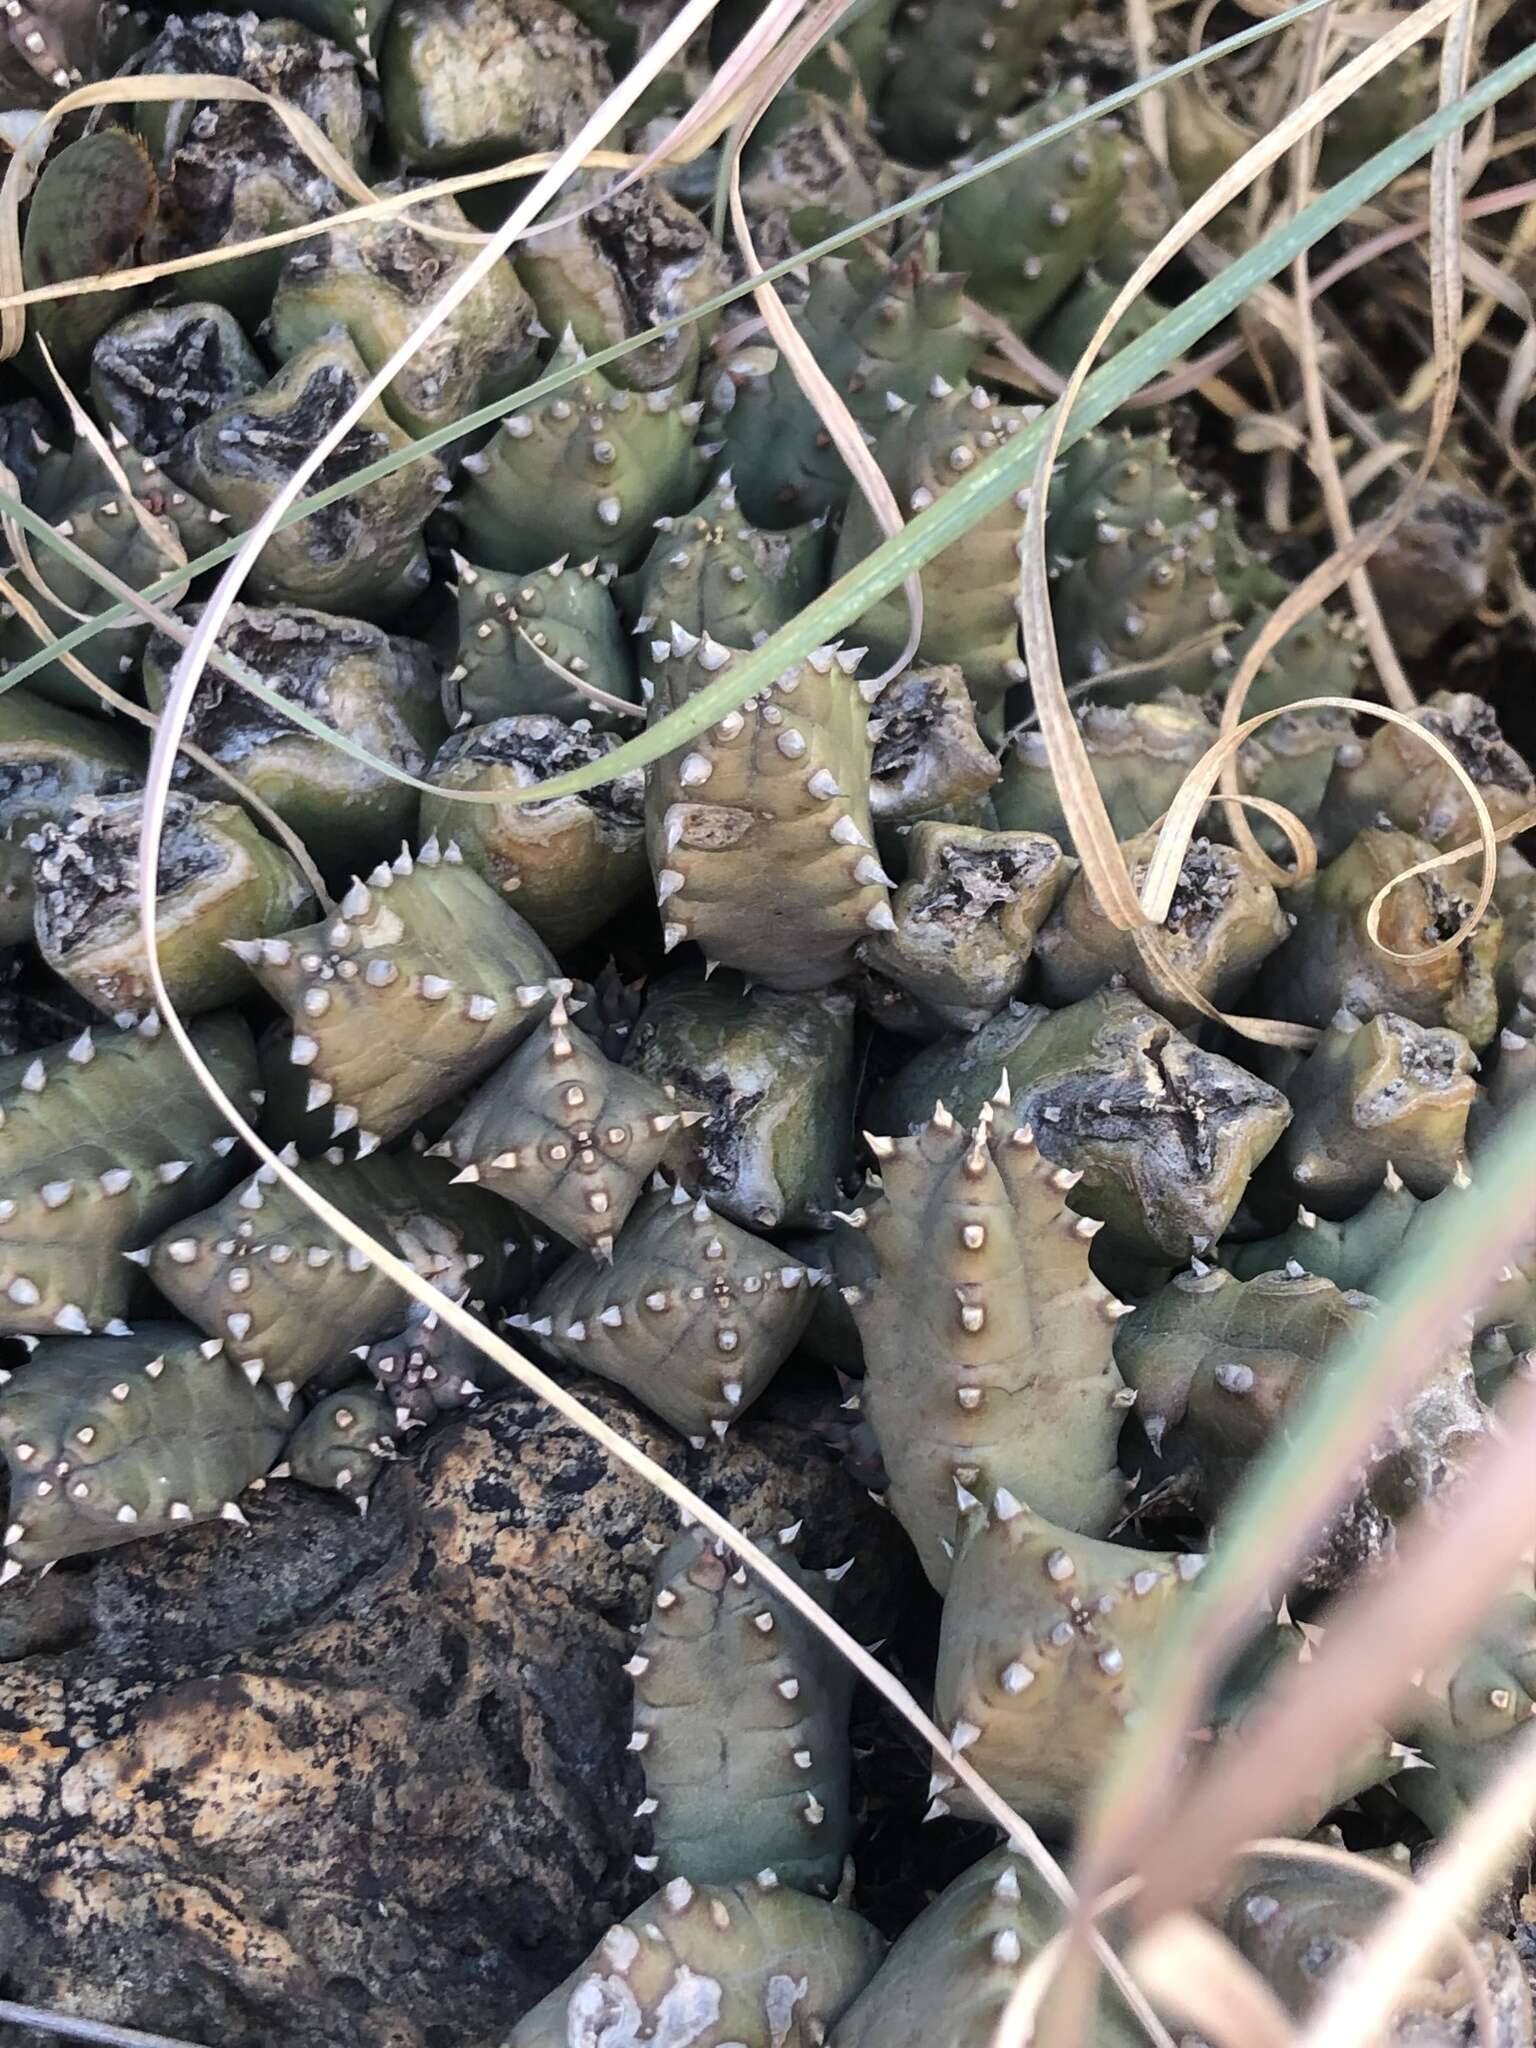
(950, 1976)
(565, 1134)
(988, 1343)
(111, 1438)
(694, 1317)
(103, 1143)
(754, 1965)
(424, 979)
(954, 66)
(741, 1725)
(779, 787)
(1046, 1643)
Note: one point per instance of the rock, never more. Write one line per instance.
(361, 1780)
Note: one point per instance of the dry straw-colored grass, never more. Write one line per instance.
(1446, 1572)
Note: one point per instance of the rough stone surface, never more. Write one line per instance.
(360, 1781)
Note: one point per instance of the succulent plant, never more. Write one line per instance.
(108, 1439)
(929, 760)
(1393, 778)
(710, 572)
(1223, 920)
(1139, 754)
(49, 758)
(343, 1443)
(377, 689)
(363, 554)
(1297, 1921)
(1218, 1364)
(1026, 234)
(565, 1134)
(950, 1976)
(570, 861)
(880, 333)
(628, 260)
(425, 1369)
(376, 278)
(810, 168)
(229, 170)
(512, 630)
(779, 786)
(96, 198)
(1434, 572)
(353, 23)
(102, 1144)
(422, 982)
(713, 1965)
(1330, 962)
(772, 1073)
(585, 472)
(1043, 1650)
(967, 918)
(217, 875)
(741, 1724)
(1468, 1712)
(1370, 1093)
(1165, 1135)
(953, 69)
(970, 591)
(161, 372)
(479, 81)
(988, 1343)
(1352, 1253)
(46, 50)
(287, 1296)
(693, 1317)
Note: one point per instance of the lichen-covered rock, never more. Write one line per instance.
(708, 1966)
(693, 1317)
(480, 81)
(103, 1142)
(420, 984)
(565, 1134)
(632, 259)
(950, 1976)
(988, 1343)
(108, 1439)
(929, 760)
(1165, 1135)
(585, 471)
(1025, 234)
(773, 1073)
(377, 689)
(375, 279)
(1369, 1094)
(344, 1443)
(880, 334)
(363, 554)
(741, 1724)
(288, 1296)
(1330, 962)
(1223, 920)
(967, 918)
(1220, 1364)
(1046, 1643)
(569, 862)
(454, 1659)
(516, 634)
(217, 876)
(778, 787)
